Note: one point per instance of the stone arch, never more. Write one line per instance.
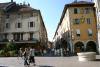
(78, 47)
(91, 46)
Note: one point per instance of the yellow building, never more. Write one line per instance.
(78, 28)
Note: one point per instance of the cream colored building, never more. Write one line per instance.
(22, 24)
(77, 29)
(97, 6)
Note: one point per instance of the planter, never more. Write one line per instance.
(86, 56)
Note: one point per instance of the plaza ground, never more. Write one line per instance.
(50, 62)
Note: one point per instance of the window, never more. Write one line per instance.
(7, 25)
(18, 36)
(87, 10)
(88, 21)
(76, 21)
(78, 32)
(21, 37)
(31, 36)
(19, 25)
(76, 10)
(31, 24)
(90, 32)
(5, 36)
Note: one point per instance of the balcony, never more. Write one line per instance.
(30, 40)
(4, 41)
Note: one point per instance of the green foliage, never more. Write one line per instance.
(12, 53)
(10, 46)
(2, 53)
(9, 50)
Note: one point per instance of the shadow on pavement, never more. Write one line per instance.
(45, 66)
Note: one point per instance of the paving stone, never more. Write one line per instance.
(49, 62)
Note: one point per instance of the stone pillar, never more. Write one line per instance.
(85, 46)
(72, 47)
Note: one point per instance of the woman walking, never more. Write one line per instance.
(26, 57)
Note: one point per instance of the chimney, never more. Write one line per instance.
(11, 0)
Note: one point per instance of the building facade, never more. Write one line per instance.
(77, 29)
(97, 6)
(22, 25)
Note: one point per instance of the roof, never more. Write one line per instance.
(73, 4)
(2, 5)
(13, 7)
(81, 3)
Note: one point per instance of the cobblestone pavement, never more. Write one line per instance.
(50, 62)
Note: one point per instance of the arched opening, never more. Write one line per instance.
(91, 46)
(64, 46)
(78, 47)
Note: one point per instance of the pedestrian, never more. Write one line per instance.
(26, 57)
(68, 52)
(20, 52)
(32, 54)
(20, 56)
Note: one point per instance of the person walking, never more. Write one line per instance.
(20, 56)
(32, 54)
(26, 57)
(20, 52)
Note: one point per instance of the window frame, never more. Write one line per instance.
(76, 21)
(7, 25)
(87, 10)
(76, 10)
(90, 32)
(19, 25)
(78, 32)
(31, 25)
(88, 20)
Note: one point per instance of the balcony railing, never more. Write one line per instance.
(4, 40)
(30, 40)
